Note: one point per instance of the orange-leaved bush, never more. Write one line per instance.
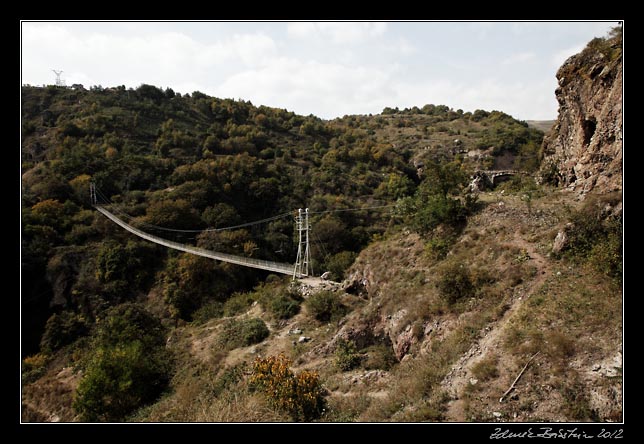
(301, 395)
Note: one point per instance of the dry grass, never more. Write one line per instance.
(347, 408)
(486, 369)
(50, 399)
(574, 317)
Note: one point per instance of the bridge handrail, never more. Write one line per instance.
(277, 267)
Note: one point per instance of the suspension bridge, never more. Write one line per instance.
(298, 270)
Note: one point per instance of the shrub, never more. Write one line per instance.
(33, 367)
(597, 238)
(129, 365)
(62, 329)
(118, 380)
(438, 246)
(560, 346)
(230, 377)
(549, 173)
(214, 309)
(455, 283)
(285, 305)
(302, 395)
(326, 306)
(238, 303)
(380, 357)
(339, 263)
(346, 355)
(606, 256)
(242, 333)
(130, 322)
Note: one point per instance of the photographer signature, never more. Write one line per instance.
(550, 433)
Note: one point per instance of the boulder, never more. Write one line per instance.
(561, 240)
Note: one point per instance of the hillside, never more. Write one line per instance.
(437, 296)
(542, 125)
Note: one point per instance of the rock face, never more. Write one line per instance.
(584, 149)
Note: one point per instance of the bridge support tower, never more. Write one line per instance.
(92, 193)
(303, 260)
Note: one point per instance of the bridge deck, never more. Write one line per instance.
(276, 267)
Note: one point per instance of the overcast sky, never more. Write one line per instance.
(328, 69)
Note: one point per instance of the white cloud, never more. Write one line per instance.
(329, 90)
(325, 89)
(326, 69)
(520, 100)
(159, 58)
(338, 32)
(522, 57)
(561, 56)
(402, 46)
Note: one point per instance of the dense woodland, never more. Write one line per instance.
(192, 162)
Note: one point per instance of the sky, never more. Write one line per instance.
(328, 69)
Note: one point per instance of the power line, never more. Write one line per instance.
(234, 227)
(319, 242)
(353, 209)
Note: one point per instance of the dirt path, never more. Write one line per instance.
(460, 374)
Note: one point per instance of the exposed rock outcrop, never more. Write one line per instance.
(584, 149)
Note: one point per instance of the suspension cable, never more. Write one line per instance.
(117, 208)
(234, 227)
(352, 209)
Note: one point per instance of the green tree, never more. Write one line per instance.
(177, 214)
(339, 263)
(119, 380)
(80, 186)
(151, 92)
(438, 198)
(395, 187)
(331, 232)
(49, 212)
(346, 355)
(220, 215)
(128, 367)
(125, 269)
(61, 329)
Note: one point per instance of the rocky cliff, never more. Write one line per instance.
(584, 149)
